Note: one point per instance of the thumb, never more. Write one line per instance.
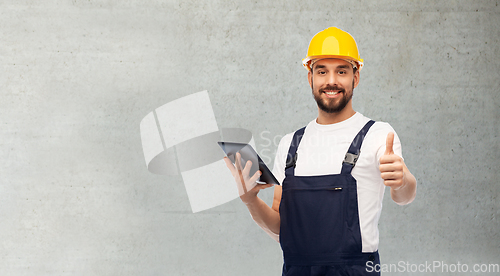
(389, 143)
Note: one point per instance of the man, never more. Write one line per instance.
(333, 173)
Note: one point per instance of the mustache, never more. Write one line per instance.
(329, 87)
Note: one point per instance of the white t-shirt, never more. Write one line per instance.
(321, 152)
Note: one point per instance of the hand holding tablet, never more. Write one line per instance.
(248, 154)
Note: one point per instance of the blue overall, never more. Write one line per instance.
(319, 231)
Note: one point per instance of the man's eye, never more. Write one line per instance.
(321, 72)
(342, 72)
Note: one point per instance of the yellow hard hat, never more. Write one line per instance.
(333, 43)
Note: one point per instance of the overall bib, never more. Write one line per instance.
(319, 231)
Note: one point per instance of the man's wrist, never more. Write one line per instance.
(251, 201)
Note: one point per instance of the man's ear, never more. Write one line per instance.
(356, 79)
(309, 77)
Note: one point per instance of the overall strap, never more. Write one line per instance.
(353, 153)
(291, 157)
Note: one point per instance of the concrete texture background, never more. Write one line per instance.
(77, 77)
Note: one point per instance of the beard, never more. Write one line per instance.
(333, 105)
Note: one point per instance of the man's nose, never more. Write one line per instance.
(332, 78)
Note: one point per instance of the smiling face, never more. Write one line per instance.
(332, 82)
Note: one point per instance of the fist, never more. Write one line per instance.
(391, 166)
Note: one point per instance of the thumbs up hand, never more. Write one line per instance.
(391, 166)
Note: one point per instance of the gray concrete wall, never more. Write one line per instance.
(77, 77)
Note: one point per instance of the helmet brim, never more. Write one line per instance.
(308, 61)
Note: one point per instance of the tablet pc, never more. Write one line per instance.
(248, 153)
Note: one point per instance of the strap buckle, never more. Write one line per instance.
(351, 158)
(292, 162)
